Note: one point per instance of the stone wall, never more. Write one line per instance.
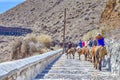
(113, 47)
(28, 68)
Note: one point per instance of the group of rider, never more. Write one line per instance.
(97, 41)
(92, 44)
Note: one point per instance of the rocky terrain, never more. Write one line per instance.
(111, 17)
(46, 16)
(5, 47)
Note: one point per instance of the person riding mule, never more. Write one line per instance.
(90, 43)
(70, 52)
(100, 40)
(68, 46)
(99, 51)
(79, 44)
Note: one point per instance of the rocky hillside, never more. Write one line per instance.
(111, 17)
(111, 13)
(46, 16)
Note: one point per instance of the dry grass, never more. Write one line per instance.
(15, 49)
(43, 50)
(56, 47)
(45, 39)
(31, 44)
(31, 38)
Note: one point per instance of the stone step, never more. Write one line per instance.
(68, 63)
(74, 76)
(48, 79)
(69, 71)
(76, 72)
(72, 69)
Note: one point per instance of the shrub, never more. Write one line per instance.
(31, 38)
(39, 46)
(45, 39)
(33, 48)
(15, 49)
(43, 50)
(56, 47)
(25, 48)
(30, 45)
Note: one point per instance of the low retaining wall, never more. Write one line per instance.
(28, 68)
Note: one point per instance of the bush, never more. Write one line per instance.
(43, 50)
(56, 47)
(45, 39)
(15, 49)
(25, 48)
(31, 38)
(30, 45)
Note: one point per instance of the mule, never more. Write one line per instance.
(100, 53)
(84, 51)
(93, 54)
(70, 52)
(79, 51)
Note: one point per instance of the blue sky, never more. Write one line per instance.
(8, 4)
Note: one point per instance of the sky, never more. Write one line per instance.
(8, 4)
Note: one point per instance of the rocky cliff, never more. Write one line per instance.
(111, 13)
(111, 17)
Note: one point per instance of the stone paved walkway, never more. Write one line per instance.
(69, 69)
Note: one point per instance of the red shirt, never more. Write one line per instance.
(83, 43)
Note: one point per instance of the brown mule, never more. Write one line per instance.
(100, 53)
(70, 52)
(84, 51)
(93, 53)
(79, 51)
